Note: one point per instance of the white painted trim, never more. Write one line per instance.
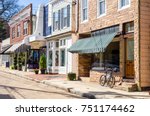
(98, 13)
(124, 7)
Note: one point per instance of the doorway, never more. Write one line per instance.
(129, 59)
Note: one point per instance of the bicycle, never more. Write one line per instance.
(108, 78)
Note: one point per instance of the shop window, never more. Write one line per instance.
(50, 45)
(62, 57)
(110, 58)
(62, 42)
(57, 58)
(129, 27)
(57, 44)
(50, 58)
(33, 60)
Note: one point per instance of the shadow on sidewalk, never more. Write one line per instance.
(13, 88)
(6, 96)
(118, 95)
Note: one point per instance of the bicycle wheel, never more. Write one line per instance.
(102, 80)
(111, 82)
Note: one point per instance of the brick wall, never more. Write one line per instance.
(113, 15)
(21, 22)
(145, 43)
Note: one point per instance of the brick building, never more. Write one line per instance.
(20, 28)
(115, 33)
(21, 25)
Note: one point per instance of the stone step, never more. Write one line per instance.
(130, 87)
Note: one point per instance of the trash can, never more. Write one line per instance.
(7, 65)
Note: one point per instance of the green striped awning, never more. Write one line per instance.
(94, 44)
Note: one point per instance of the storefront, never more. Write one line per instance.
(59, 60)
(106, 48)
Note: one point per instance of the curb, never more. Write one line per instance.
(72, 90)
(68, 89)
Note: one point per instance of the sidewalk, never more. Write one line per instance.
(88, 90)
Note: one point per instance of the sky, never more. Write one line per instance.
(34, 2)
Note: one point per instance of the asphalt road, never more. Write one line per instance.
(13, 87)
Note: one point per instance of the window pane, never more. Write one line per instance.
(130, 50)
(102, 6)
(124, 3)
(50, 58)
(84, 10)
(57, 58)
(62, 52)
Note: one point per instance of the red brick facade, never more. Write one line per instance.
(24, 15)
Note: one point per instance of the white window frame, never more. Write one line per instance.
(98, 9)
(56, 21)
(123, 7)
(18, 30)
(25, 28)
(65, 17)
(83, 21)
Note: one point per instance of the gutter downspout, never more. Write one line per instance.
(139, 46)
(77, 15)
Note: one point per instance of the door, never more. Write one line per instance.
(130, 58)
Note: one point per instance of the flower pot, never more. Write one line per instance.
(42, 71)
(36, 72)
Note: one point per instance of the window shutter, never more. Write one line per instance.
(58, 19)
(54, 21)
(62, 16)
(68, 16)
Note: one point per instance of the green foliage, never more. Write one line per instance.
(71, 76)
(42, 63)
(12, 67)
(36, 71)
(15, 62)
(19, 63)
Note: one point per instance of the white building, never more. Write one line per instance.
(59, 60)
(5, 58)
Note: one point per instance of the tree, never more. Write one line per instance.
(8, 8)
(3, 30)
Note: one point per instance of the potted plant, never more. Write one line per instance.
(42, 64)
(15, 63)
(12, 67)
(36, 71)
(71, 76)
(19, 64)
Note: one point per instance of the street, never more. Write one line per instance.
(14, 87)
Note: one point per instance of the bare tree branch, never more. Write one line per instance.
(8, 8)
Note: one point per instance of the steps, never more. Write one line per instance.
(127, 86)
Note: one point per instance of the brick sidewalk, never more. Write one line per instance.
(32, 75)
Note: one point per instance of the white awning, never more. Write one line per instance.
(34, 38)
(14, 47)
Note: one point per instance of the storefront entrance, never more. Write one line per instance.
(129, 58)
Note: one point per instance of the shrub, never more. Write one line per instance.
(36, 71)
(15, 62)
(71, 76)
(12, 67)
(42, 62)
